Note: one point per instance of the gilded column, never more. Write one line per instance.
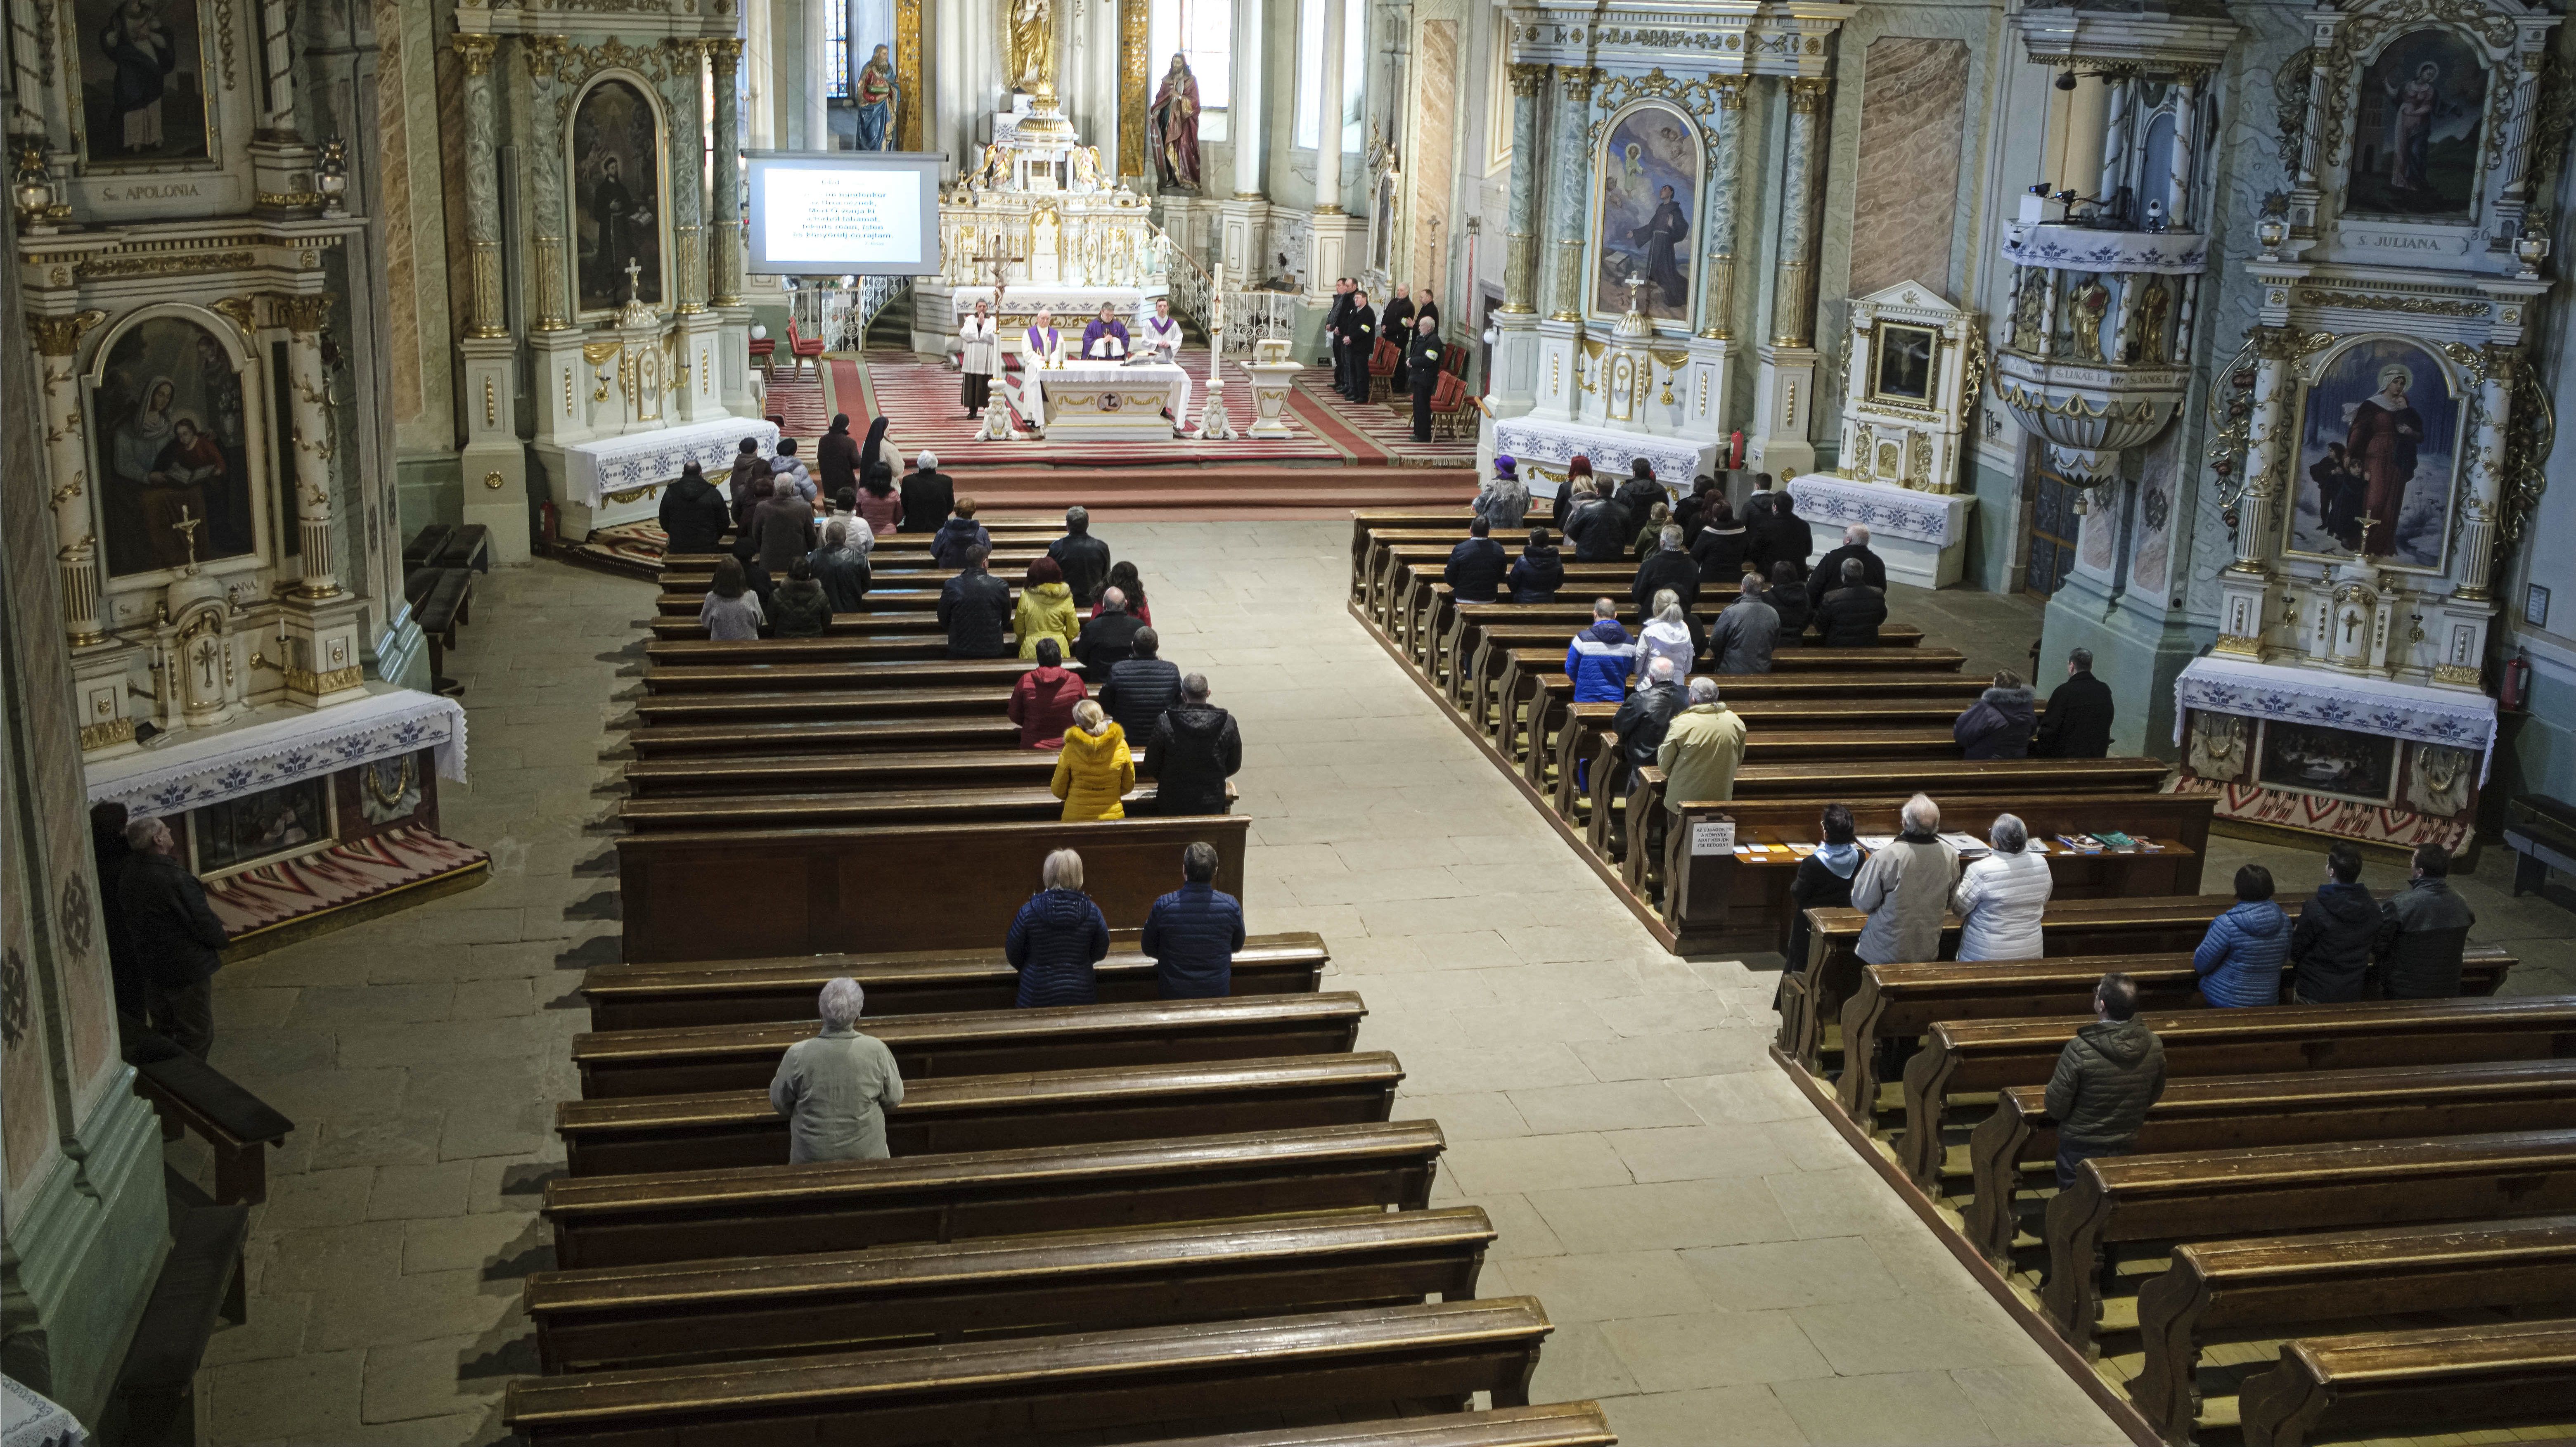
(1725, 170)
(545, 70)
(482, 187)
(2265, 431)
(1520, 257)
(1793, 319)
(907, 100)
(311, 438)
(688, 260)
(1570, 164)
(67, 467)
(724, 209)
(1133, 94)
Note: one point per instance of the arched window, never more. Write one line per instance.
(1305, 134)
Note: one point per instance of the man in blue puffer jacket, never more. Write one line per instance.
(1193, 932)
(1601, 657)
(2239, 960)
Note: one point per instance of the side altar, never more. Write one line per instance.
(1916, 365)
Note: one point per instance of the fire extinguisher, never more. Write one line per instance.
(2517, 682)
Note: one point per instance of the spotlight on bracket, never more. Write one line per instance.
(2066, 81)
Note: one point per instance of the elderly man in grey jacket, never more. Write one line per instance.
(1905, 889)
(835, 1088)
(1744, 635)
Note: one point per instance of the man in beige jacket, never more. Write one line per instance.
(1701, 750)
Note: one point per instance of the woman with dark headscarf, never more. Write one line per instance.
(838, 455)
(875, 452)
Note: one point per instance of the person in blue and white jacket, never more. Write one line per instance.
(2240, 959)
(1601, 657)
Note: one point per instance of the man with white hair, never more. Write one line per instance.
(835, 1088)
(1828, 574)
(1640, 722)
(176, 940)
(1701, 751)
(1904, 888)
(929, 496)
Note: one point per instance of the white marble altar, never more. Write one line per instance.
(1923, 536)
(1105, 402)
(613, 480)
(1543, 448)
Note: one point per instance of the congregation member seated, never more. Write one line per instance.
(2239, 960)
(1742, 638)
(1601, 657)
(1476, 565)
(1191, 934)
(2424, 928)
(1641, 721)
(1788, 598)
(1130, 583)
(1849, 615)
(1905, 889)
(1539, 571)
(879, 503)
(693, 513)
(1703, 747)
(2106, 1079)
(1830, 572)
(1109, 636)
(1824, 878)
(974, 607)
(1666, 567)
(2001, 896)
(1045, 612)
(1666, 638)
(748, 467)
(1084, 558)
(836, 457)
(790, 474)
(1999, 723)
(1720, 548)
(1193, 749)
(1043, 700)
(834, 1088)
(1057, 938)
(2330, 945)
(1597, 526)
(1641, 491)
(1692, 513)
(928, 495)
(1093, 770)
(2078, 723)
(731, 613)
(782, 529)
(1139, 687)
(798, 608)
(1650, 536)
(948, 546)
(841, 566)
(1504, 499)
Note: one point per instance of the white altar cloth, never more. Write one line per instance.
(1922, 536)
(594, 470)
(279, 745)
(2242, 686)
(1543, 448)
(1107, 402)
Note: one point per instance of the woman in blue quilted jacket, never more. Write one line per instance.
(1057, 938)
(2240, 959)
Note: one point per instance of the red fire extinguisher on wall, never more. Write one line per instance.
(2517, 682)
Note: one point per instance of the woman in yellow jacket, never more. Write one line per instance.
(1046, 610)
(1095, 771)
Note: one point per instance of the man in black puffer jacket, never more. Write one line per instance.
(175, 935)
(1084, 558)
(1193, 749)
(694, 513)
(975, 608)
(1599, 529)
(2330, 945)
(1643, 719)
(2423, 930)
(1849, 615)
(1666, 567)
(1477, 566)
(1139, 687)
(2106, 1078)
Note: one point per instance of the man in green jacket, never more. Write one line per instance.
(1701, 750)
(2106, 1078)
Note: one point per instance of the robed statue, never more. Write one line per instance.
(1032, 44)
(876, 101)
(1173, 124)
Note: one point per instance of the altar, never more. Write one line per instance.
(1111, 402)
(612, 480)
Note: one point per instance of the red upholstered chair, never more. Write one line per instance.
(1448, 406)
(804, 350)
(1382, 368)
(763, 352)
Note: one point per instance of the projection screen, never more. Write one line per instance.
(872, 213)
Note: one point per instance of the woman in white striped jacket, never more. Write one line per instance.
(2001, 897)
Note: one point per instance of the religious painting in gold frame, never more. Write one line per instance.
(1905, 364)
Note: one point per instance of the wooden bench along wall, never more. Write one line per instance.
(644, 1316)
(2273, 1283)
(632, 1134)
(2381, 1384)
(1428, 1357)
(753, 894)
(980, 1042)
(729, 992)
(843, 1205)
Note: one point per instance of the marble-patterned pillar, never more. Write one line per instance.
(1793, 319)
(1569, 166)
(553, 305)
(67, 470)
(683, 96)
(2494, 376)
(1725, 177)
(724, 208)
(318, 565)
(2187, 84)
(1520, 255)
(482, 188)
(1328, 112)
(2266, 437)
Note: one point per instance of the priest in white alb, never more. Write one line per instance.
(1041, 351)
(1161, 340)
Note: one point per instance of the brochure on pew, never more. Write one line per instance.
(1968, 845)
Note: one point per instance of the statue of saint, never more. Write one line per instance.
(876, 102)
(1032, 44)
(1173, 126)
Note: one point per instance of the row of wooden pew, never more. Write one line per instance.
(1142, 1218)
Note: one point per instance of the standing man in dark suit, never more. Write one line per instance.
(2077, 724)
(1359, 337)
(1422, 371)
(174, 934)
(1395, 322)
(1333, 318)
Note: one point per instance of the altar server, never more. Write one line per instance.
(1106, 338)
(1041, 349)
(979, 357)
(1163, 342)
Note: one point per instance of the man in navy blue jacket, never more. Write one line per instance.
(1192, 933)
(1477, 566)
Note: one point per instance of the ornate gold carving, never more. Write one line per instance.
(303, 313)
(2360, 32)
(2416, 305)
(305, 680)
(1699, 97)
(907, 77)
(493, 480)
(1134, 90)
(1730, 92)
(60, 336)
(1807, 93)
(243, 311)
(1528, 81)
(2464, 673)
(182, 264)
(97, 736)
(491, 403)
(2238, 643)
(1575, 82)
(634, 494)
(475, 50)
(224, 39)
(544, 55)
(287, 200)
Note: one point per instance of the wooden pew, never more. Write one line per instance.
(2380, 1385)
(935, 673)
(1475, 671)
(936, 804)
(1813, 998)
(1008, 559)
(842, 649)
(2303, 1108)
(2272, 1283)
(1366, 523)
(755, 894)
(1961, 1056)
(1564, 1424)
(782, 1210)
(1900, 1002)
(852, 773)
(905, 597)
(726, 992)
(1425, 1356)
(1466, 638)
(1526, 721)
(846, 706)
(627, 1317)
(1810, 719)
(872, 623)
(2210, 1194)
(620, 1063)
(806, 737)
(993, 1112)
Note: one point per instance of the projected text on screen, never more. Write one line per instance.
(842, 219)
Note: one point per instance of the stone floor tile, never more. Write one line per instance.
(1685, 1055)
(274, 1327)
(317, 1198)
(1747, 1097)
(402, 1193)
(1844, 1202)
(1713, 1349)
(1609, 1285)
(1912, 1409)
(420, 1379)
(1696, 1152)
(1714, 1417)
(312, 1397)
(1468, 1116)
(390, 1308)
(1670, 1215)
(1774, 1275)
(2036, 1404)
(1520, 1230)
(1578, 1363)
(464, 1243)
(408, 1139)
(1915, 1334)
(1461, 1068)
(1534, 1163)
(1602, 1105)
